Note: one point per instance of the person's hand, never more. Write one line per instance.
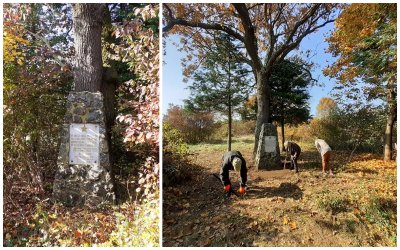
(227, 188)
(293, 157)
(242, 190)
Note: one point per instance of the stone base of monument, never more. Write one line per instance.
(267, 156)
(83, 166)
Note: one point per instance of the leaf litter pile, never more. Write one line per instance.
(31, 220)
(356, 207)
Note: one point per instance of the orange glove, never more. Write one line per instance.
(227, 188)
(241, 190)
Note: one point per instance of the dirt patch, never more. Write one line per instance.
(282, 208)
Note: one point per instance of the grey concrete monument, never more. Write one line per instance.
(267, 156)
(83, 166)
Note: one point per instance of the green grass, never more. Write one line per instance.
(242, 143)
(333, 203)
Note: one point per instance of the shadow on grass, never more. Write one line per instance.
(363, 170)
(285, 190)
(200, 201)
(328, 224)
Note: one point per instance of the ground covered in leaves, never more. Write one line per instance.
(355, 207)
(30, 219)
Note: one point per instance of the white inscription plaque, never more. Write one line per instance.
(270, 144)
(84, 144)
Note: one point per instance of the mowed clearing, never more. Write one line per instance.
(356, 207)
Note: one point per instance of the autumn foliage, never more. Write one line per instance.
(194, 126)
(37, 79)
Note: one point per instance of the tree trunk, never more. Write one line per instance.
(388, 137)
(283, 132)
(391, 117)
(87, 24)
(108, 88)
(263, 99)
(229, 108)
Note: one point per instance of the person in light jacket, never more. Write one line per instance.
(325, 151)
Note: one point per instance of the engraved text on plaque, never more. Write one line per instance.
(270, 144)
(84, 144)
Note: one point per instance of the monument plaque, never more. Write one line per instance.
(84, 144)
(83, 176)
(267, 156)
(270, 144)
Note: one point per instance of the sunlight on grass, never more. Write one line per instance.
(242, 143)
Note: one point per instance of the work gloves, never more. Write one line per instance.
(228, 190)
(242, 190)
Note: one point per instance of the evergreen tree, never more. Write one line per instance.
(222, 84)
(289, 96)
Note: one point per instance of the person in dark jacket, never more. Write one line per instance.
(294, 151)
(233, 160)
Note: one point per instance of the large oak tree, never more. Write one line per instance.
(88, 66)
(266, 32)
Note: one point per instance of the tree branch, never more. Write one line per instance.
(250, 39)
(212, 26)
(47, 43)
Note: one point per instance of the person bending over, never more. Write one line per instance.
(233, 160)
(325, 151)
(294, 151)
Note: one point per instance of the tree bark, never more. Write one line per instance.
(108, 88)
(263, 100)
(391, 117)
(87, 25)
(283, 132)
(229, 108)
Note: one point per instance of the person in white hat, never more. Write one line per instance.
(233, 160)
(294, 151)
(325, 151)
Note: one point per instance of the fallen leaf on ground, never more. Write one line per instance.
(285, 220)
(205, 243)
(205, 214)
(293, 225)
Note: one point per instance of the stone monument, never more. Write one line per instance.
(267, 156)
(83, 166)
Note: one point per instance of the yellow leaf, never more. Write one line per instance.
(292, 225)
(285, 220)
(205, 214)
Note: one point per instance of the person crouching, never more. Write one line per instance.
(233, 160)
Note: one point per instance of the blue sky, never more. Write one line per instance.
(174, 90)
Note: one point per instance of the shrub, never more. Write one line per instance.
(239, 128)
(176, 166)
(140, 231)
(348, 128)
(194, 126)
